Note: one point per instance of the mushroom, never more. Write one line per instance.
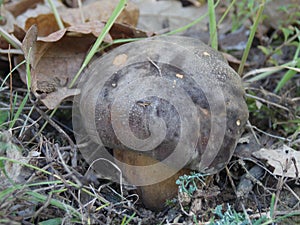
(155, 109)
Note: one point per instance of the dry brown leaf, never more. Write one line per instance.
(18, 7)
(54, 98)
(28, 43)
(57, 57)
(94, 14)
(13, 170)
(93, 27)
(53, 37)
(119, 31)
(233, 61)
(42, 8)
(46, 24)
(7, 24)
(54, 64)
(101, 10)
(285, 160)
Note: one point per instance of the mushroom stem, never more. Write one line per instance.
(153, 196)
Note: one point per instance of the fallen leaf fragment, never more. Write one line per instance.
(121, 31)
(94, 16)
(9, 28)
(54, 64)
(13, 170)
(101, 10)
(19, 7)
(285, 160)
(34, 10)
(54, 98)
(46, 24)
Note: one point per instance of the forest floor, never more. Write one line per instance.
(45, 179)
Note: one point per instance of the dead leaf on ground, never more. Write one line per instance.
(32, 8)
(13, 170)
(46, 24)
(54, 64)
(18, 7)
(94, 14)
(8, 24)
(285, 160)
(93, 27)
(233, 61)
(158, 15)
(121, 31)
(101, 10)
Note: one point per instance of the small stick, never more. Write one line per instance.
(156, 66)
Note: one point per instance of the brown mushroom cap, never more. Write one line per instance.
(173, 99)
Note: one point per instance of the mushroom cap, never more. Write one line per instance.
(173, 99)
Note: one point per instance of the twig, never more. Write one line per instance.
(268, 102)
(10, 82)
(54, 125)
(46, 204)
(10, 39)
(271, 135)
(114, 165)
(253, 132)
(231, 180)
(11, 51)
(246, 214)
(156, 66)
(66, 167)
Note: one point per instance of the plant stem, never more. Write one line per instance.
(251, 37)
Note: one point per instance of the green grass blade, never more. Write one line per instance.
(56, 15)
(2, 159)
(291, 73)
(212, 24)
(54, 221)
(10, 39)
(269, 71)
(15, 68)
(226, 12)
(28, 72)
(272, 206)
(181, 29)
(251, 36)
(17, 115)
(125, 222)
(287, 76)
(42, 198)
(117, 11)
(6, 192)
(3, 117)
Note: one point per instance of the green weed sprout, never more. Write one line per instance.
(188, 183)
